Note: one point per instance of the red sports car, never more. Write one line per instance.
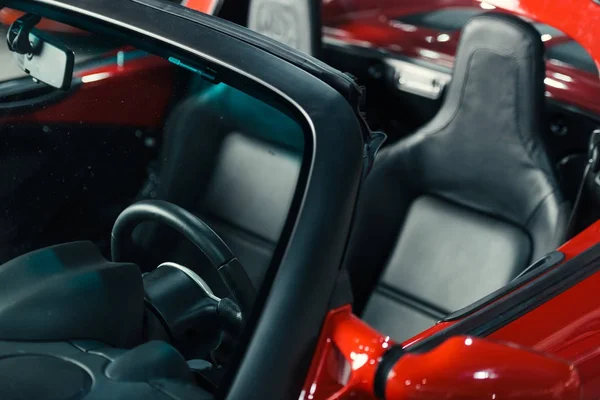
(191, 210)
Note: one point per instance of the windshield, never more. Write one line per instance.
(131, 127)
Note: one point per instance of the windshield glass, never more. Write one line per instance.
(134, 126)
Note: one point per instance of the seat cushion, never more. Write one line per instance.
(446, 257)
(452, 256)
(395, 319)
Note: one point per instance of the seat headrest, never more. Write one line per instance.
(484, 149)
(501, 50)
(295, 23)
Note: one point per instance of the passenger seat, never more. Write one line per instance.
(463, 205)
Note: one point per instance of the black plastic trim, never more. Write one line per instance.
(317, 36)
(18, 85)
(525, 298)
(533, 271)
(342, 294)
(388, 360)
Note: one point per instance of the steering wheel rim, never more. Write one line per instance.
(183, 221)
(193, 229)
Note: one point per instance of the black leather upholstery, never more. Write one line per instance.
(234, 161)
(457, 209)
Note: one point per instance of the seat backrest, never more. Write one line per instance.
(459, 208)
(233, 161)
(295, 23)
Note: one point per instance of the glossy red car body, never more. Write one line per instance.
(566, 327)
(460, 369)
(372, 24)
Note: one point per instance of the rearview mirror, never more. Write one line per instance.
(39, 54)
(474, 368)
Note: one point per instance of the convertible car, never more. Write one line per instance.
(193, 210)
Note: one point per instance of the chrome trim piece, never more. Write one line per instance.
(193, 276)
(390, 59)
(414, 79)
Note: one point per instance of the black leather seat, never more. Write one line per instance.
(459, 208)
(234, 161)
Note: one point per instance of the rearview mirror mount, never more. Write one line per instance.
(39, 54)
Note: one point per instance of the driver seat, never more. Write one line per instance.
(232, 159)
(459, 208)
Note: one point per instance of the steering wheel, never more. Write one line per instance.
(160, 328)
(196, 231)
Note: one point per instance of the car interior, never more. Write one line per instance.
(444, 182)
(413, 100)
(481, 166)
